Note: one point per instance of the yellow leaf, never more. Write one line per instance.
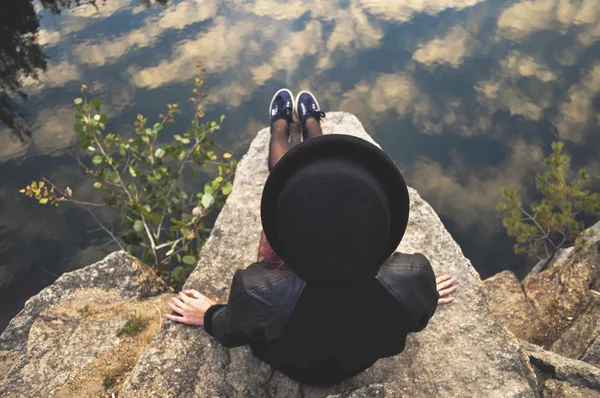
(43, 201)
(191, 235)
(42, 183)
(226, 155)
(22, 190)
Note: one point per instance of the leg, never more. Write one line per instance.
(279, 144)
(312, 128)
(280, 111)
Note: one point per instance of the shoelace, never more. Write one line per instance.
(282, 114)
(316, 114)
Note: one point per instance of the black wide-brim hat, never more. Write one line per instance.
(334, 208)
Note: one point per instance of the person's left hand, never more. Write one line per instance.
(446, 285)
(192, 305)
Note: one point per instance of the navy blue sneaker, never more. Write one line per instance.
(307, 106)
(282, 106)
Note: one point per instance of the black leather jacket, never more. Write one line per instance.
(322, 334)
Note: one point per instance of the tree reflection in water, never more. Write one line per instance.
(21, 56)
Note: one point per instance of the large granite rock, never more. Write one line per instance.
(561, 294)
(551, 366)
(64, 342)
(118, 271)
(582, 339)
(464, 351)
(510, 306)
(559, 389)
(591, 236)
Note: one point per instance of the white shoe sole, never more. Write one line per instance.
(275, 96)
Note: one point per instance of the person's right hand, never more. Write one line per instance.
(446, 285)
(191, 305)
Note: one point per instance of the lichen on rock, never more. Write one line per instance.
(65, 344)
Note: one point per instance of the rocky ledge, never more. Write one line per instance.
(557, 315)
(74, 338)
(464, 351)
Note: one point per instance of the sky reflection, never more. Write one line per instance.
(466, 96)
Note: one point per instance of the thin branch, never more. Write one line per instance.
(166, 259)
(561, 243)
(223, 148)
(200, 217)
(78, 202)
(546, 249)
(84, 205)
(91, 231)
(83, 165)
(70, 199)
(103, 227)
(162, 217)
(152, 243)
(114, 169)
(148, 233)
(533, 219)
(172, 243)
(48, 272)
(126, 165)
(552, 243)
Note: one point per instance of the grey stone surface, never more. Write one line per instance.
(559, 389)
(592, 235)
(575, 373)
(118, 271)
(464, 352)
(582, 339)
(561, 294)
(64, 341)
(509, 304)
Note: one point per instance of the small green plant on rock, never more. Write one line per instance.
(552, 223)
(132, 326)
(109, 381)
(140, 175)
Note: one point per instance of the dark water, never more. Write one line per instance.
(465, 95)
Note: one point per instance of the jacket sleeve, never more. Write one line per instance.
(260, 301)
(410, 279)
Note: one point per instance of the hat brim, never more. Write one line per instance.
(362, 154)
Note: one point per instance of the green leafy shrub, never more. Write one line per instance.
(551, 223)
(140, 175)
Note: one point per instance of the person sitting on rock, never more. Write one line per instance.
(328, 295)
